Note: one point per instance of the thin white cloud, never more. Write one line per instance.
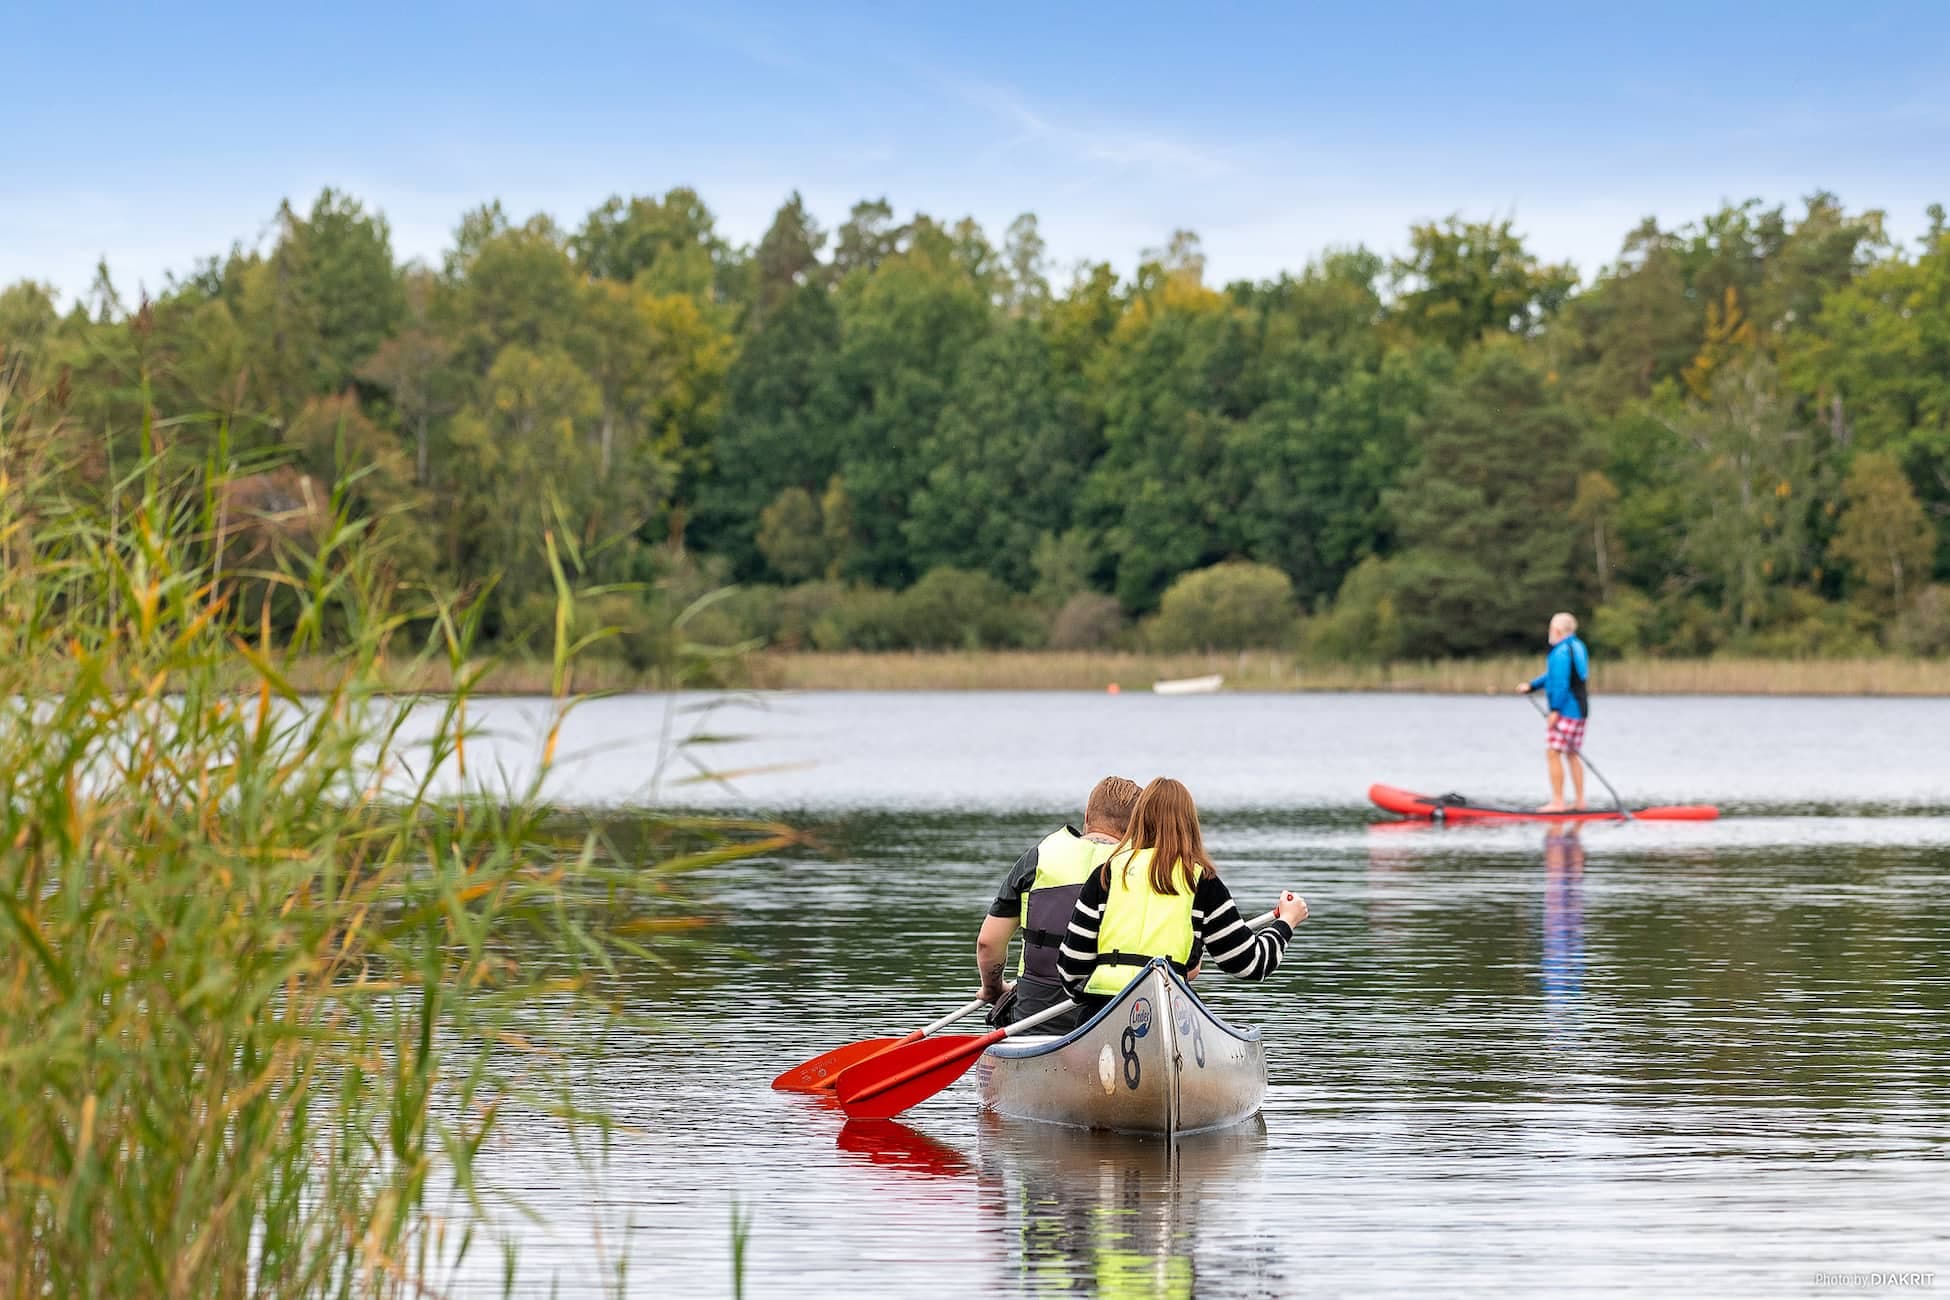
(1079, 137)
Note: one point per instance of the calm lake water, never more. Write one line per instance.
(1681, 1059)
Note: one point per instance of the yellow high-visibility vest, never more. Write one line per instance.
(1139, 923)
(1064, 860)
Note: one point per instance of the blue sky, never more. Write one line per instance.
(157, 134)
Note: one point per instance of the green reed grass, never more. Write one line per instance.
(264, 993)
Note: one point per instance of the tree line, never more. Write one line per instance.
(904, 433)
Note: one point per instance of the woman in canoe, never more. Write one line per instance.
(1158, 895)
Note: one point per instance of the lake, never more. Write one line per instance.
(1680, 1059)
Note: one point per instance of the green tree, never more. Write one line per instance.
(514, 286)
(1174, 392)
(1004, 467)
(1329, 426)
(1884, 536)
(907, 326)
(790, 536)
(669, 245)
(1231, 606)
(1876, 362)
(527, 444)
(1750, 478)
(950, 609)
(1025, 255)
(787, 258)
(1637, 326)
(322, 302)
(836, 525)
(27, 321)
(1594, 506)
(783, 424)
(867, 238)
(412, 368)
(1483, 517)
(1463, 280)
(691, 352)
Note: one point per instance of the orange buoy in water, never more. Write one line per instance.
(1111, 689)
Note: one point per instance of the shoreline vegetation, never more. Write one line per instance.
(269, 984)
(1083, 670)
(907, 433)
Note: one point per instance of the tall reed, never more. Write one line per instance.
(264, 989)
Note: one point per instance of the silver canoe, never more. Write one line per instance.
(1156, 1060)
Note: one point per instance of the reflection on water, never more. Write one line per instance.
(1562, 969)
(1091, 1213)
(1684, 1060)
(1116, 1215)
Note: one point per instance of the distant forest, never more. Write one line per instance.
(907, 434)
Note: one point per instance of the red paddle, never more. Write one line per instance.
(818, 1074)
(902, 1076)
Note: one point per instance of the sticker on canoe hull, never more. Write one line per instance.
(1107, 1070)
(1141, 1017)
(1189, 1027)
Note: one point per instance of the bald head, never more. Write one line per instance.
(1563, 625)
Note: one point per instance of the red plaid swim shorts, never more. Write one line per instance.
(1566, 735)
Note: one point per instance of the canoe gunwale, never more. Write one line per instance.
(1026, 1047)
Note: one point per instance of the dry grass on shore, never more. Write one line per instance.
(1268, 671)
(1032, 670)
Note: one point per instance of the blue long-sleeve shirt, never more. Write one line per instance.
(1556, 679)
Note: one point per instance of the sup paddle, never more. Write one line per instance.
(818, 1074)
(905, 1076)
(1542, 712)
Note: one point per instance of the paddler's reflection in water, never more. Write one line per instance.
(1562, 968)
(1101, 1214)
(1115, 1214)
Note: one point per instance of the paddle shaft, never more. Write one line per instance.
(968, 1008)
(1545, 713)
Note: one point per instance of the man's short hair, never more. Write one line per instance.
(1570, 621)
(1111, 803)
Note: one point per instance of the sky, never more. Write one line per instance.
(156, 135)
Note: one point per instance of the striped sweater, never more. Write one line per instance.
(1218, 934)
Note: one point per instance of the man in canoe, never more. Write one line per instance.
(1038, 895)
(1567, 672)
(1159, 895)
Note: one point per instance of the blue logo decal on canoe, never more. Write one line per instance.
(1141, 1017)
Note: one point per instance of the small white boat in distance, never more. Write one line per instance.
(1189, 685)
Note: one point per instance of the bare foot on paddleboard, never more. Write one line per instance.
(1551, 807)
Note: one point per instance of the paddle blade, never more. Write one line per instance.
(905, 1076)
(819, 1073)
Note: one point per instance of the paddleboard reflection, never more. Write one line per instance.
(1562, 967)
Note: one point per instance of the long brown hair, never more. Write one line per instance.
(1166, 822)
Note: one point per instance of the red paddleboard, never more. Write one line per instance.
(1455, 808)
